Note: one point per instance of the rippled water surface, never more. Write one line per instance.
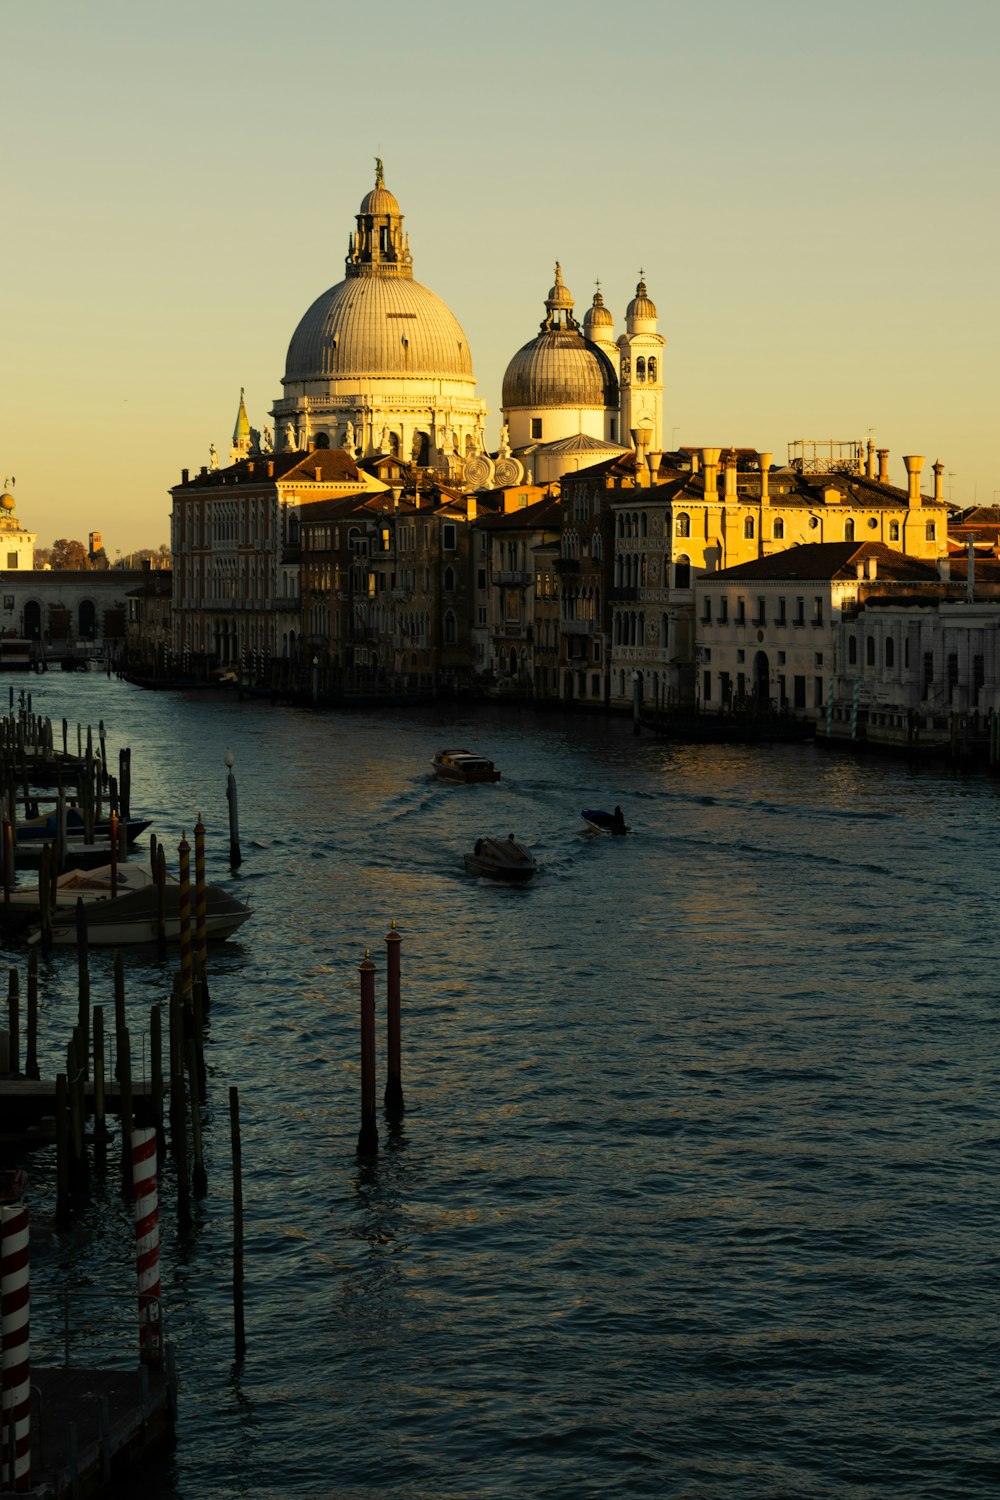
(696, 1190)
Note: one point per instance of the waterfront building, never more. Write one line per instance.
(766, 632)
(149, 641)
(378, 364)
(517, 622)
(17, 544)
(235, 542)
(704, 510)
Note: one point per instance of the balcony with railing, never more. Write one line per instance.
(512, 577)
(578, 627)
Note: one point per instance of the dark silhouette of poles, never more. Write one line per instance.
(394, 1082)
(368, 1134)
(184, 851)
(201, 938)
(31, 1044)
(235, 857)
(234, 1129)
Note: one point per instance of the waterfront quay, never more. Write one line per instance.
(692, 1189)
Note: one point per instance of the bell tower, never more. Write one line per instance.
(640, 350)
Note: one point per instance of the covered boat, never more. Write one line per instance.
(134, 917)
(463, 766)
(91, 885)
(501, 859)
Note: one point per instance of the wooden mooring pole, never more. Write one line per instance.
(368, 1134)
(393, 1101)
(234, 1129)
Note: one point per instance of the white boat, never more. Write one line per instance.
(501, 859)
(133, 918)
(91, 885)
(600, 821)
(464, 767)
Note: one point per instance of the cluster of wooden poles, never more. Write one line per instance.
(393, 1099)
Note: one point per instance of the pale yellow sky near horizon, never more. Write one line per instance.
(812, 195)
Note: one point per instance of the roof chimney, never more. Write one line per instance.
(765, 470)
(317, 471)
(695, 461)
(710, 460)
(883, 465)
(270, 468)
(870, 470)
(914, 463)
(871, 568)
(184, 476)
(939, 483)
(731, 475)
(944, 569)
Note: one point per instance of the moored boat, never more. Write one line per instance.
(464, 767)
(134, 918)
(501, 859)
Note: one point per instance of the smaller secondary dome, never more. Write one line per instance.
(379, 200)
(560, 368)
(641, 305)
(597, 316)
(7, 500)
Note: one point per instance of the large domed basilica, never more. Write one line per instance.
(379, 364)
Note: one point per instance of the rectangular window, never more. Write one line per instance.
(741, 655)
(800, 692)
(781, 658)
(894, 531)
(741, 611)
(761, 612)
(706, 610)
(11, 560)
(707, 686)
(536, 427)
(595, 686)
(481, 578)
(928, 671)
(724, 610)
(818, 609)
(781, 611)
(707, 653)
(800, 611)
(817, 692)
(725, 686)
(482, 614)
(978, 673)
(952, 670)
(741, 685)
(782, 691)
(449, 536)
(818, 659)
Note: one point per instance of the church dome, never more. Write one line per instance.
(379, 201)
(641, 311)
(375, 325)
(560, 368)
(596, 317)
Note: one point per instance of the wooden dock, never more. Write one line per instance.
(88, 1427)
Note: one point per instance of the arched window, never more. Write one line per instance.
(748, 528)
(779, 529)
(852, 651)
(640, 368)
(682, 525)
(449, 628)
(652, 367)
(682, 573)
(930, 531)
(449, 580)
(848, 531)
(870, 651)
(643, 524)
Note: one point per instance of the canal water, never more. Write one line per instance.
(696, 1190)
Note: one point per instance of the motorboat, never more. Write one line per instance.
(464, 767)
(599, 821)
(90, 885)
(133, 918)
(501, 859)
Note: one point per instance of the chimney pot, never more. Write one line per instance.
(710, 462)
(883, 465)
(938, 483)
(914, 463)
(184, 476)
(765, 470)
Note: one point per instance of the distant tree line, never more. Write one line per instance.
(71, 556)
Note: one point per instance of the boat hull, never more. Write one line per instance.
(132, 919)
(501, 859)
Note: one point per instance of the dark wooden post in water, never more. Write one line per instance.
(161, 901)
(156, 1072)
(125, 1107)
(114, 853)
(100, 1123)
(184, 851)
(199, 1178)
(394, 1080)
(31, 1044)
(235, 857)
(234, 1128)
(199, 905)
(368, 1134)
(62, 1150)
(14, 1021)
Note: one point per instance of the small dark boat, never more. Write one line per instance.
(501, 859)
(47, 827)
(599, 821)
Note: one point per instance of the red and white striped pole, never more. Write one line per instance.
(147, 1245)
(15, 1430)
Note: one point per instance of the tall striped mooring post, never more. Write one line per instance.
(15, 1309)
(147, 1245)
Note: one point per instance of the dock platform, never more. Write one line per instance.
(87, 1426)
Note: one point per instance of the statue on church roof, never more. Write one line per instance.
(504, 441)
(267, 440)
(379, 180)
(291, 446)
(213, 456)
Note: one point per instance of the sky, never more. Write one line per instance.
(810, 190)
